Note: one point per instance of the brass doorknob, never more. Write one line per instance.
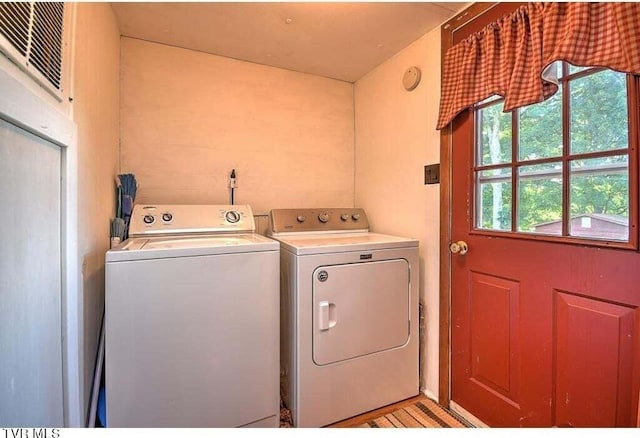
(459, 247)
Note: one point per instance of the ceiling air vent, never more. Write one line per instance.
(31, 35)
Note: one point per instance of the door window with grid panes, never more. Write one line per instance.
(559, 168)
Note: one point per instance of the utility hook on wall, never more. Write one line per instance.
(232, 185)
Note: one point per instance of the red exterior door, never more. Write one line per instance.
(542, 333)
(545, 331)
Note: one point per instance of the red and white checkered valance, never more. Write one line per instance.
(510, 56)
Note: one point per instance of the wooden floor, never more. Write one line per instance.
(361, 419)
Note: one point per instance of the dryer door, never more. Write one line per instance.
(359, 309)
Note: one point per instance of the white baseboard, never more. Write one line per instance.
(430, 395)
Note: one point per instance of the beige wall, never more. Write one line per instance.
(395, 138)
(187, 118)
(95, 93)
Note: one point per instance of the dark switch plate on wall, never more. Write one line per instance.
(432, 174)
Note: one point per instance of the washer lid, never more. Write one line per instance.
(186, 246)
(303, 244)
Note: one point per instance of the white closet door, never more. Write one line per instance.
(30, 280)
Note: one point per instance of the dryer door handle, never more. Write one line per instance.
(327, 315)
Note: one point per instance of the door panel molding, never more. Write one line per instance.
(582, 323)
(494, 311)
(492, 362)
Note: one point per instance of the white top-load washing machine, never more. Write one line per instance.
(349, 314)
(192, 320)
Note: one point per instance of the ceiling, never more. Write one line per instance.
(337, 40)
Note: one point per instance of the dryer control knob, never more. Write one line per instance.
(301, 218)
(344, 217)
(355, 216)
(232, 216)
(323, 217)
(167, 217)
(148, 219)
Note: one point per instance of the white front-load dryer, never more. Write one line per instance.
(192, 320)
(349, 315)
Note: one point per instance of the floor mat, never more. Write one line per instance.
(422, 414)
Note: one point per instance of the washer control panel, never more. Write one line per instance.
(287, 220)
(173, 219)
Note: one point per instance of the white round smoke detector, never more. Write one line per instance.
(411, 78)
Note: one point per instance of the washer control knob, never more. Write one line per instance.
(232, 216)
(323, 217)
(301, 218)
(344, 217)
(355, 216)
(148, 219)
(167, 217)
